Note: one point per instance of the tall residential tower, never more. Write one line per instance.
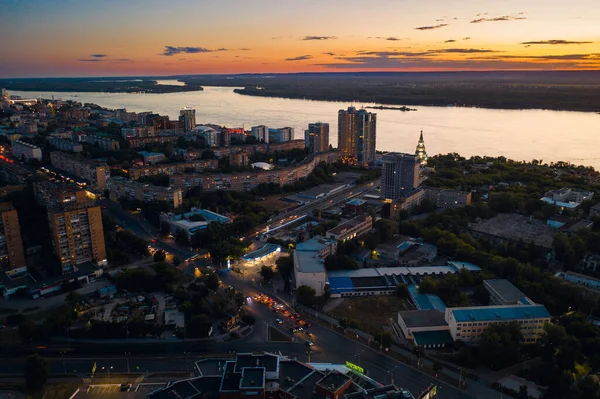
(187, 119)
(12, 258)
(400, 175)
(357, 134)
(316, 137)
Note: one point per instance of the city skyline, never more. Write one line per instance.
(69, 38)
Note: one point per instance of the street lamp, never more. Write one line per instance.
(127, 357)
(187, 366)
(392, 375)
(62, 354)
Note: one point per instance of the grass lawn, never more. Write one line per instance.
(370, 312)
(276, 335)
(273, 202)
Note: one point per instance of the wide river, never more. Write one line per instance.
(516, 134)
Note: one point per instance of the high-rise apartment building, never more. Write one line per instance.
(281, 134)
(158, 122)
(261, 133)
(12, 258)
(77, 234)
(316, 137)
(421, 152)
(187, 118)
(400, 175)
(357, 135)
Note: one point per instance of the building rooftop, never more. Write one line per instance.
(230, 380)
(356, 202)
(342, 228)
(267, 249)
(304, 388)
(503, 289)
(252, 377)
(211, 366)
(432, 337)
(383, 392)
(487, 313)
(513, 227)
(315, 244)
(333, 381)
(422, 318)
(310, 262)
(269, 362)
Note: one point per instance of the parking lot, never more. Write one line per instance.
(112, 391)
(147, 388)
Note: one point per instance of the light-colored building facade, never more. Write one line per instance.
(468, 323)
(102, 141)
(353, 228)
(22, 149)
(77, 235)
(261, 133)
(65, 145)
(93, 171)
(316, 137)
(119, 186)
(415, 321)
(400, 175)
(357, 134)
(309, 270)
(12, 258)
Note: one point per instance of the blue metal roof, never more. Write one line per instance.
(340, 284)
(432, 337)
(486, 313)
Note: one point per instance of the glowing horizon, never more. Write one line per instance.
(70, 38)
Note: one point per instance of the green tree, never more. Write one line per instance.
(212, 281)
(198, 326)
(36, 372)
(402, 291)
(428, 286)
(500, 345)
(305, 294)
(267, 273)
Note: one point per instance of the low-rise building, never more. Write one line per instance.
(309, 270)
(151, 158)
(239, 159)
(23, 149)
(65, 144)
(193, 221)
(137, 142)
(591, 262)
(119, 186)
(447, 199)
(353, 228)
(94, 172)
(503, 292)
(468, 323)
(426, 328)
(323, 246)
(173, 168)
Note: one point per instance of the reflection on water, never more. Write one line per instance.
(172, 82)
(516, 134)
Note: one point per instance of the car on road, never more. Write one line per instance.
(278, 321)
(309, 343)
(124, 387)
(308, 333)
(293, 330)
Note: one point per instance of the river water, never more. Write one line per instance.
(516, 134)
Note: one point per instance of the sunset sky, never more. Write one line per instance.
(159, 37)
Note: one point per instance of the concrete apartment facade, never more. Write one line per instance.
(121, 187)
(353, 228)
(12, 258)
(94, 172)
(28, 151)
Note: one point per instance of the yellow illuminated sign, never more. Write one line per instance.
(354, 367)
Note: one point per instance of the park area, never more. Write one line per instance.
(369, 313)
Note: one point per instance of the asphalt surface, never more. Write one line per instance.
(332, 347)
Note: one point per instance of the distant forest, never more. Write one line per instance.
(554, 90)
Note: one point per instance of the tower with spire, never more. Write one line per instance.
(421, 153)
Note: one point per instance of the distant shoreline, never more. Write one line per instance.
(383, 107)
